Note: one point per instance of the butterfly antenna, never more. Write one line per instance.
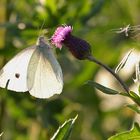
(40, 32)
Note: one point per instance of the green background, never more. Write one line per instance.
(23, 117)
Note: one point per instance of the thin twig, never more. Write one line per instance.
(125, 87)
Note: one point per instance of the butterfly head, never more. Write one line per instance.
(41, 41)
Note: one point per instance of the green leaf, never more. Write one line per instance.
(102, 88)
(134, 97)
(133, 134)
(124, 94)
(64, 131)
(134, 108)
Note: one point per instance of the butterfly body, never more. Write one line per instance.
(35, 69)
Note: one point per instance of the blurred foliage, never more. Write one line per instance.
(23, 117)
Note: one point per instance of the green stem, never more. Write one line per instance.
(125, 87)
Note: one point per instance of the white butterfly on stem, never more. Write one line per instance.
(34, 69)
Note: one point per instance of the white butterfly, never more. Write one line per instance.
(34, 69)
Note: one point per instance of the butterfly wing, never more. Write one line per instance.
(14, 73)
(46, 79)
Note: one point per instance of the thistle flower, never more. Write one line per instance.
(77, 46)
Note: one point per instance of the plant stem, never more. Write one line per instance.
(125, 87)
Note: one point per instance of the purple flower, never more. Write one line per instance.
(60, 35)
(78, 47)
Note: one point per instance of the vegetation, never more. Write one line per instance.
(23, 117)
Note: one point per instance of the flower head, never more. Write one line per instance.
(60, 34)
(78, 47)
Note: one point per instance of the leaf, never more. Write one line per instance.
(134, 97)
(124, 94)
(123, 62)
(133, 134)
(134, 108)
(63, 132)
(102, 88)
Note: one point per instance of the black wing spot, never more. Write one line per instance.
(17, 75)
